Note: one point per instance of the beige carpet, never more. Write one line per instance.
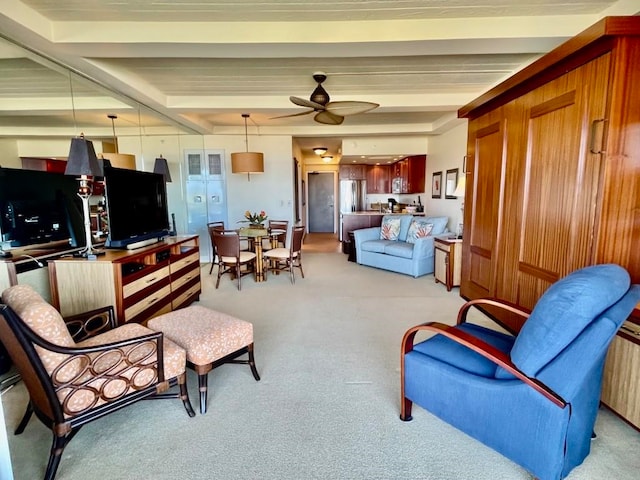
(328, 351)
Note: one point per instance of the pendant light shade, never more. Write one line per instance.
(247, 162)
(162, 167)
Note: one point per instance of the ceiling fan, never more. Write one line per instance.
(328, 112)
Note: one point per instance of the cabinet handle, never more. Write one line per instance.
(153, 300)
(594, 128)
(151, 280)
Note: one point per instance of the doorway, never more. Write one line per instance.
(321, 202)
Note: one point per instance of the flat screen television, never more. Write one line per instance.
(38, 207)
(137, 208)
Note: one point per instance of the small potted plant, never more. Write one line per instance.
(255, 220)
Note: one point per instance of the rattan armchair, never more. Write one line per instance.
(71, 384)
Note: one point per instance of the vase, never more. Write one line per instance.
(256, 225)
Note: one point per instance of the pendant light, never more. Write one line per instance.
(118, 160)
(247, 162)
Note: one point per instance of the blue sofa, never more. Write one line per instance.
(415, 259)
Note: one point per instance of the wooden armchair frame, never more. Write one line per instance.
(44, 387)
(477, 345)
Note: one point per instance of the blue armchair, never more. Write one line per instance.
(534, 397)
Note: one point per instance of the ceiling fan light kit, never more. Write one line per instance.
(326, 111)
(247, 162)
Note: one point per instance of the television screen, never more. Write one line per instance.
(136, 206)
(38, 207)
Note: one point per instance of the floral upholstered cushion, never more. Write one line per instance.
(419, 228)
(207, 335)
(390, 228)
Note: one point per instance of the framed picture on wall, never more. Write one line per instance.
(436, 185)
(451, 180)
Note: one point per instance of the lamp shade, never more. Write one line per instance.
(162, 167)
(461, 187)
(247, 162)
(82, 159)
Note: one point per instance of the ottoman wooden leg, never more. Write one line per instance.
(203, 374)
(252, 362)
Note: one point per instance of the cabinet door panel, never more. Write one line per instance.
(561, 179)
(485, 166)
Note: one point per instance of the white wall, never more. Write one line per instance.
(446, 152)
(9, 154)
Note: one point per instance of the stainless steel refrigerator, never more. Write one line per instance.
(353, 197)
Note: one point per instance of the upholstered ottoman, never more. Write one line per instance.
(210, 338)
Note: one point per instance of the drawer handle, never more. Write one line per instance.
(153, 300)
(152, 280)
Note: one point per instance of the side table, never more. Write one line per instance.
(448, 257)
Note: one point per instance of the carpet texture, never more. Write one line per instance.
(327, 407)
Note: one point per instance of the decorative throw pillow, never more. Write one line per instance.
(390, 228)
(419, 228)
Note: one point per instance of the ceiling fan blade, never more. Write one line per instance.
(328, 118)
(307, 103)
(350, 107)
(293, 114)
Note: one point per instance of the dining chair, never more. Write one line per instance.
(231, 258)
(286, 259)
(211, 226)
(72, 383)
(277, 230)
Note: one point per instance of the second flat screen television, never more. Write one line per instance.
(136, 207)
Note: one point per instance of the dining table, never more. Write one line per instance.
(255, 237)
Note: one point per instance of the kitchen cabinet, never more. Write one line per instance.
(356, 221)
(552, 174)
(44, 164)
(378, 179)
(411, 172)
(140, 284)
(353, 172)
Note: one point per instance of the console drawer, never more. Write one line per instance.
(158, 296)
(177, 265)
(144, 282)
(185, 277)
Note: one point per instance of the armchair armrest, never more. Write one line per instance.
(91, 323)
(482, 348)
(462, 313)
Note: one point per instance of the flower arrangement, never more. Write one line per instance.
(255, 218)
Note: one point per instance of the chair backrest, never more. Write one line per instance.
(227, 243)
(21, 338)
(564, 311)
(280, 225)
(297, 236)
(211, 227)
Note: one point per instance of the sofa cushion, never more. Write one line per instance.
(390, 228)
(375, 246)
(418, 228)
(439, 224)
(399, 249)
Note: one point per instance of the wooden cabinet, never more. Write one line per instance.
(552, 169)
(620, 387)
(353, 172)
(411, 172)
(378, 179)
(354, 222)
(44, 164)
(140, 284)
(448, 253)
